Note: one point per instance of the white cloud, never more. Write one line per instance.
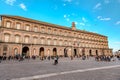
(103, 19)
(84, 20)
(64, 4)
(82, 24)
(67, 0)
(10, 2)
(107, 1)
(22, 6)
(76, 22)
(118, 22)
(65, 16)
(97, 6)
(67, 19)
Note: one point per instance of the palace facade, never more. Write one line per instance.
(24, 36)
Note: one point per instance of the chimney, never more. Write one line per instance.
(73, 26)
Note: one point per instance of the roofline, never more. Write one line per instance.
(49, 24)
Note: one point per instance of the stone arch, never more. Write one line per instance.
(96, 52)
(55, 51)
(75, 52)
(25, 51)
(65, 52)
(90, 52)
(41, 53)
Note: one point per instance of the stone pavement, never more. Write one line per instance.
(14, 70)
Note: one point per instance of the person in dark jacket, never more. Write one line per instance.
(55, 60)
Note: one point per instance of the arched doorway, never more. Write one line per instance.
(65, 53)
(90, 52)
(41, 54)
(54, 51)
(25, 51)
(75, 52)
(15, 51)
(96, 52)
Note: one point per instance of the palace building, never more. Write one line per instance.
(24, 36)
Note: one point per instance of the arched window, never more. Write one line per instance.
(49, 30)
(18, 26)
(7, 37)
(26, 39)
(42, 29)
(17, 38)
(8, 24)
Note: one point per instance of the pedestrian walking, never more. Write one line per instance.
(55, 60)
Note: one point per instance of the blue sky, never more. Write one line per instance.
(99, 16)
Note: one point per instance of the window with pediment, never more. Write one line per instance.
(27, 27)
(26, 39)
(55, 42)
(35, 40)
(65, 42)
(18, 25)
(48, 41)
(60, 42)
(35, 28)
(42, 40)
(8, 24)
(49, 30)
(7, 37)
(42, 29)
(17, 38)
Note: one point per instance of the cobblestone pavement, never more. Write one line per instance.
(14, 69)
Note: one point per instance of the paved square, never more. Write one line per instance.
(67, 69)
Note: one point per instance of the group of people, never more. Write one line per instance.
(55, 58)
(103, 58)
(106, 58)
(21, 58)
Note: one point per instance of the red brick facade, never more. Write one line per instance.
(20, 35)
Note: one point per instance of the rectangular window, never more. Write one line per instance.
(35, 29)
(35, 40)
(17, 39)
(48, 42)
(60, 43)
(54, 42)
(42, 41)
(26, 39)
(18, 26)
(7, 37)
(27, 28)
(8, 24)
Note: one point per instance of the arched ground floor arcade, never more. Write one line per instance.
(42, 50)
